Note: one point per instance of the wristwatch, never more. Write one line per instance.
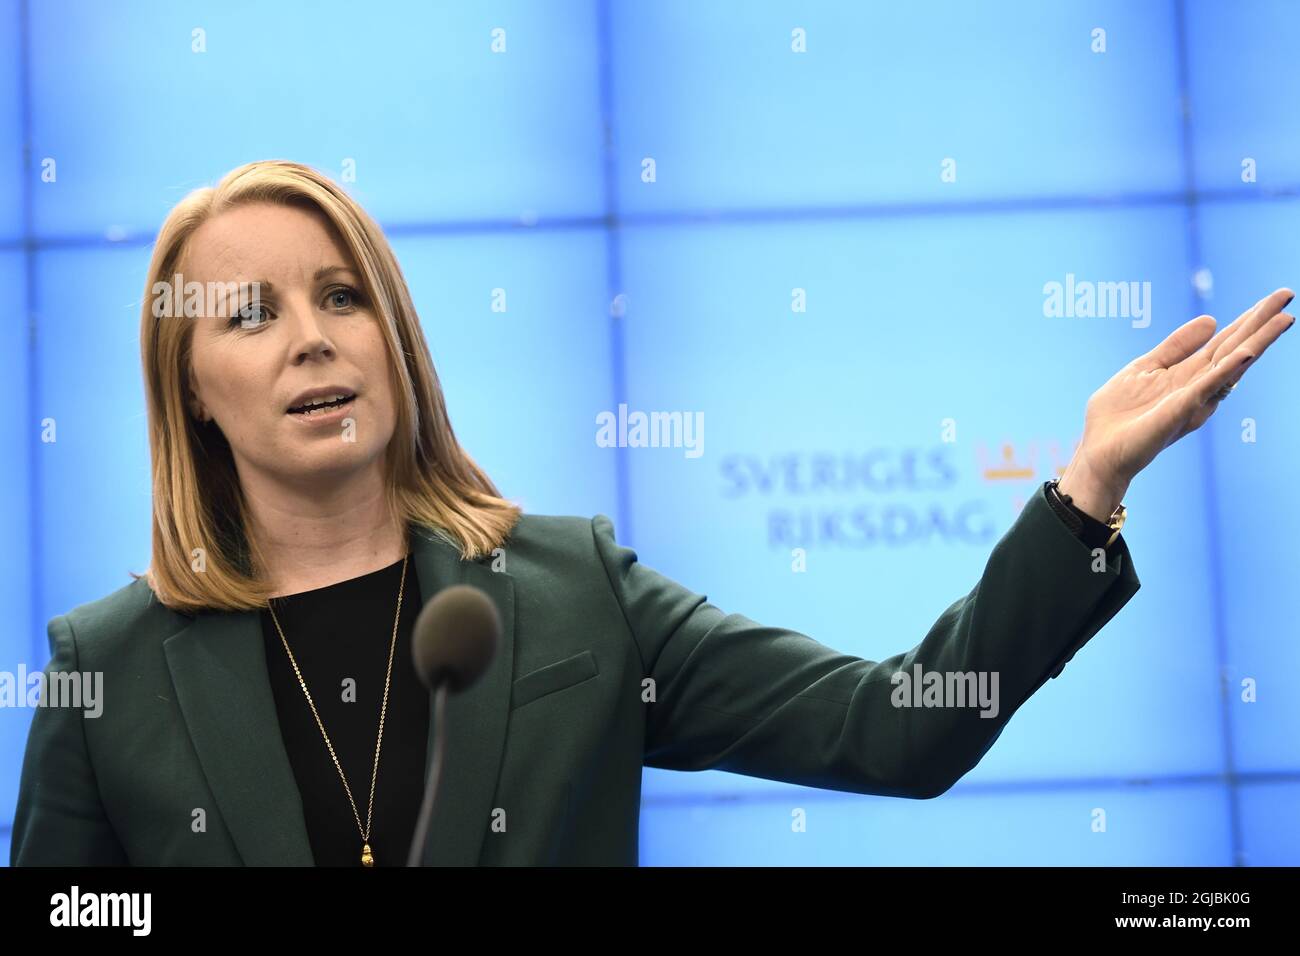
(1093, 533)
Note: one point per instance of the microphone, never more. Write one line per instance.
(455, 638)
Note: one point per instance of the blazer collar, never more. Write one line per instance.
(218, 666)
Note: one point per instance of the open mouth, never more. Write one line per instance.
(322, 406)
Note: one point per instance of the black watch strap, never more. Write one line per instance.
(1084, 526)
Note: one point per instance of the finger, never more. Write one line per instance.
(1205, 388)
(1182, 342)
(1269, 333)
(1202, 390)
(1215, 347)
(1250, 323)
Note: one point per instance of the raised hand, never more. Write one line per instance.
(1161, 396)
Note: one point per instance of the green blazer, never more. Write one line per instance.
(552, 740)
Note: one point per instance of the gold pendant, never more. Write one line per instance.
(367, 859)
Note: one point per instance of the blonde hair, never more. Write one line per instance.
(197, 500)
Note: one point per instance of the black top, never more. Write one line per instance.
(337, 633)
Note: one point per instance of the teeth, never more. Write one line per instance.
(324, 400)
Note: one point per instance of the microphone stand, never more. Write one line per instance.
(414, 857)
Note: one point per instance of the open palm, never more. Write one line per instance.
(1161, 396)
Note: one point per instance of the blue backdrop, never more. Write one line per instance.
(830, 231)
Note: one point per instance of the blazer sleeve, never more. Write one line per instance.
(732, 694)
(59, 820)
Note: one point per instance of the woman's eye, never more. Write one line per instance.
(350, 295)
(255, 315)
(251, 316)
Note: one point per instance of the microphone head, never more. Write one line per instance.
(455, 637)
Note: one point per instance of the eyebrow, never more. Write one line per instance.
(320, 273)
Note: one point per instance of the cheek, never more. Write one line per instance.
(383, 405)
(384, 392)
(380, 379)
(234, 387)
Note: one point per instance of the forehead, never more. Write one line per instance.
(281, 244)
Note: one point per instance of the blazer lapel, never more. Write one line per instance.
(218, 666)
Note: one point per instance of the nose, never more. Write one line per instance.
(308, 337)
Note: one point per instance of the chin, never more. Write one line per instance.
(328, 461)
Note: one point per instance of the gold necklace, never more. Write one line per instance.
(367, 858)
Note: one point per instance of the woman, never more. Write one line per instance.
(259, 701)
